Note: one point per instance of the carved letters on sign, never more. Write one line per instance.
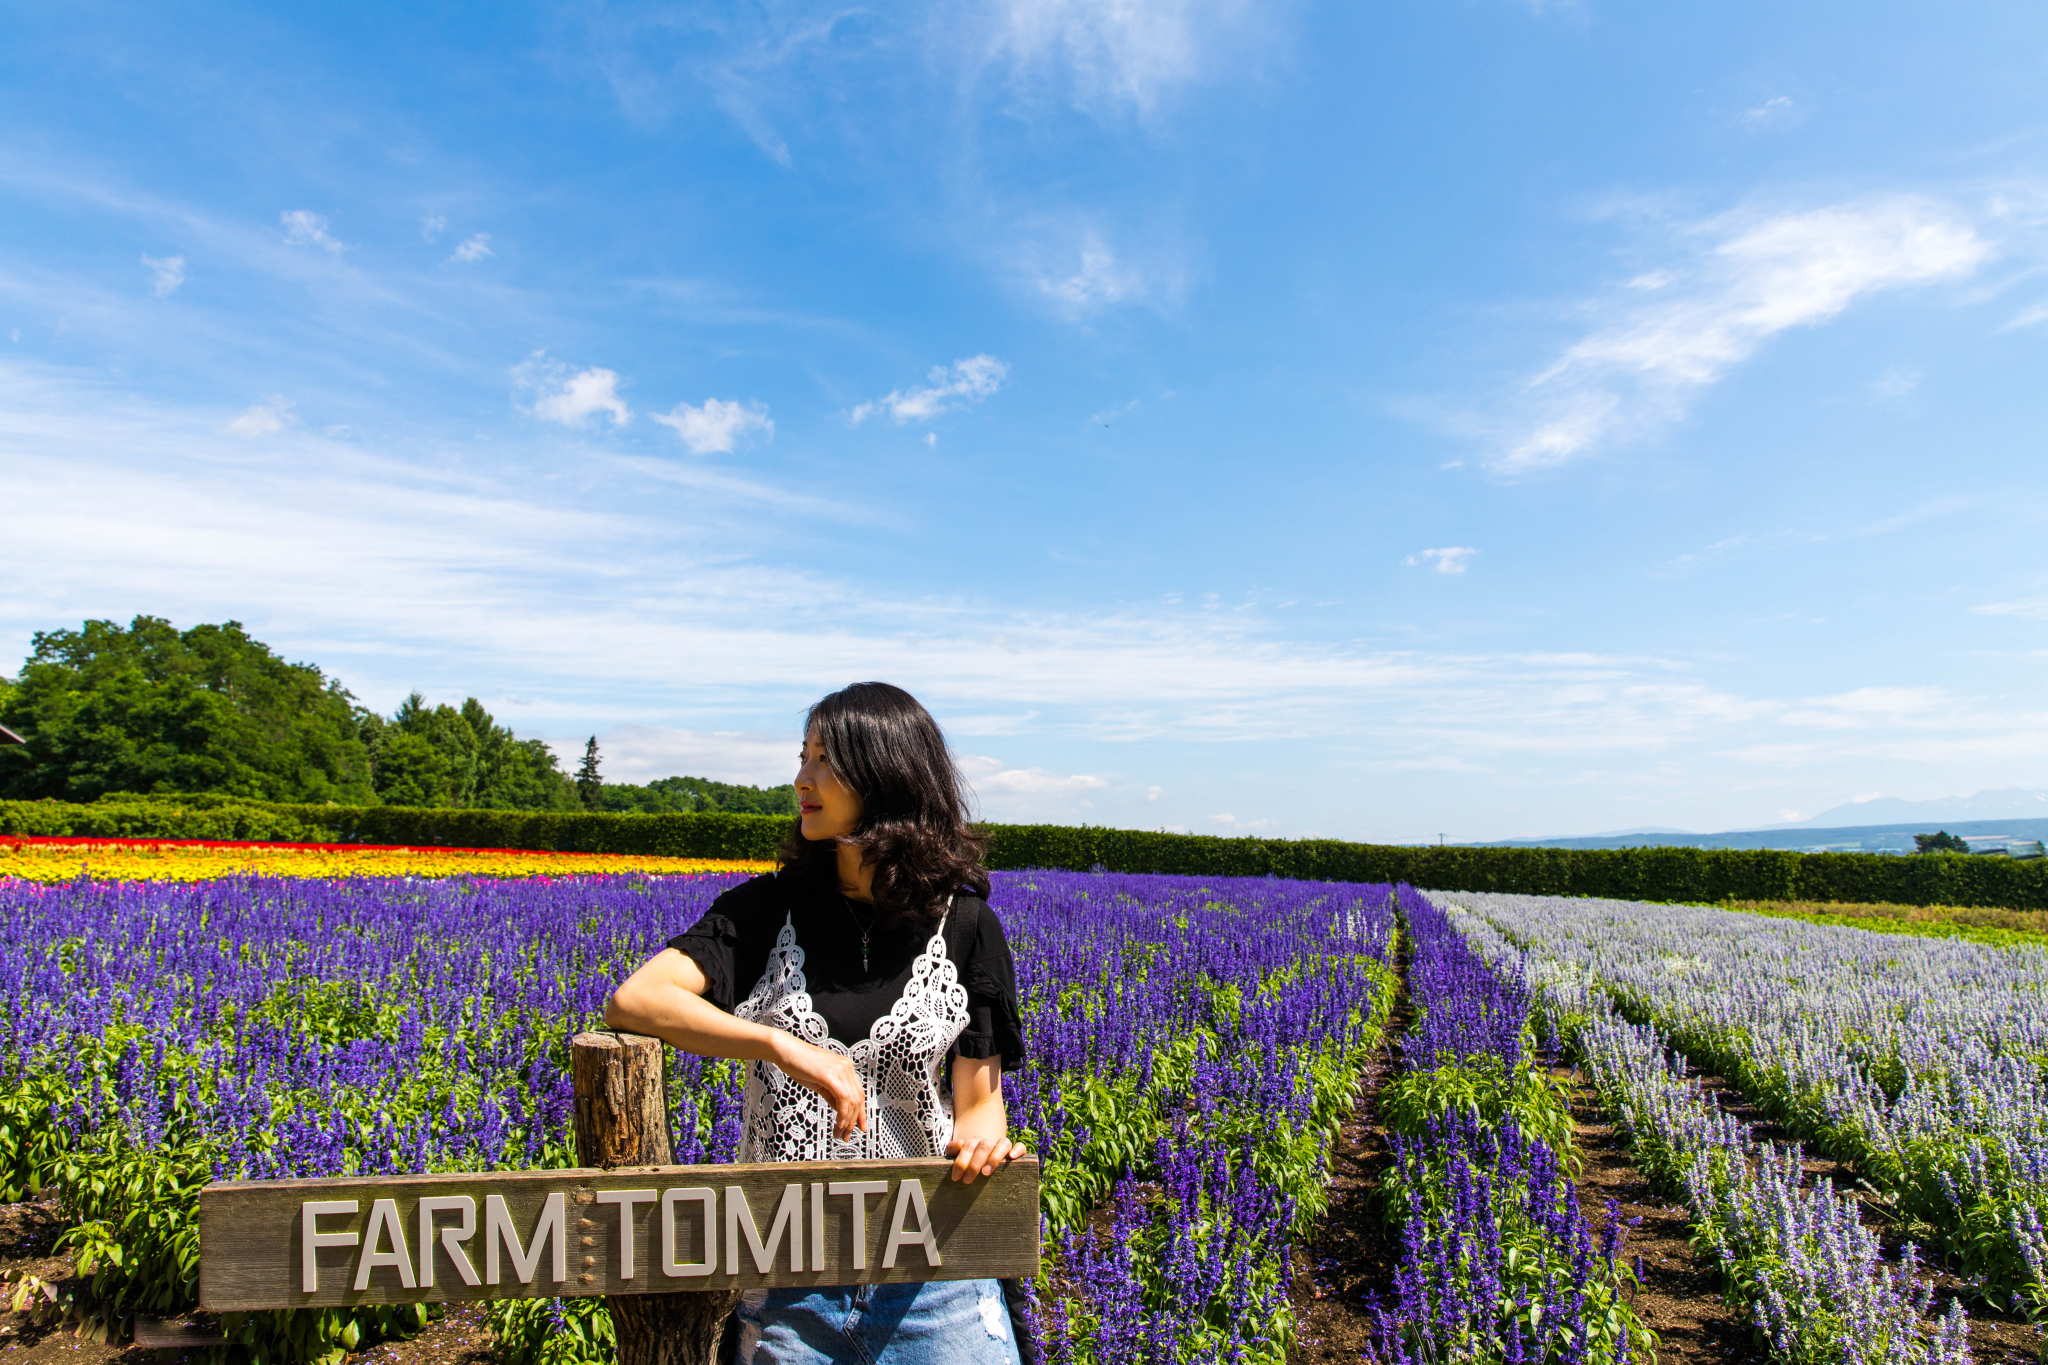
(384, 1245)
(402, 1239)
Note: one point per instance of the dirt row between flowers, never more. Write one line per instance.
(1349, 1263)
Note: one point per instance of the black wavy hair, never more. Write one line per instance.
(913, 826)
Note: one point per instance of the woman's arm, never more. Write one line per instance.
(981, 1125)
(665, 1000)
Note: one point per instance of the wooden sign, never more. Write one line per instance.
(630, 1230)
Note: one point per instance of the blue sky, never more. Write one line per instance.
(1380, 421)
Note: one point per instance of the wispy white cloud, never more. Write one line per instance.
(1079, 267)
(168, 273)
(266, 418)
(567, 395)
(2032, 608)
(1124, 53)
(1643, 368)
(2027, 317)
(1896, 383)
(303, 227)
(432, 226)
(1230, 824)
(473, 248)
(719, 425)
(1444, 559)
(1093, 278)
(1776, 109)
(992, 775)
(1926, 511)
(949, 387)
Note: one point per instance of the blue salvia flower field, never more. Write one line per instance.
(1198, 1039)
(1197, 1046)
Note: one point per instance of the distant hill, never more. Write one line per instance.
(2006, 803)
(1886, 824)
(1886, 838)
(1625, 833)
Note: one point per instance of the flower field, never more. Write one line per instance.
(1497, 1259)
(60, 860)
(1921, 1064)
(1197, 1046)
(1194, 1043)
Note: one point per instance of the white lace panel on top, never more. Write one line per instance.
(900, 1063)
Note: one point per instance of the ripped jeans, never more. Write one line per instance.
(943, 1322)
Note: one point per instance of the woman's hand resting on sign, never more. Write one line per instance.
(665, 1000)
(981, 1125)
(829, 1076)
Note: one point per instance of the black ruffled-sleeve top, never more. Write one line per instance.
(732, 941)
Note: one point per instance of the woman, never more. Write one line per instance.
(848, 980)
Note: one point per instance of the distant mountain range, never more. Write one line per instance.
(2006, 803)
(1883, 825)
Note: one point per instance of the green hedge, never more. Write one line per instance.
(1651, 874)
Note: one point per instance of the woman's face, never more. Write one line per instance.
(829, 807)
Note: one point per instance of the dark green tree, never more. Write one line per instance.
(440, 756)
(590, 786)
(1939, 842)
(148, 708)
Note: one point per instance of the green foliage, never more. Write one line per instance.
(441, 756)
(124, 816)
(553, 1331)
(1487, 1090)
(136, 1243)
(148, 708)
(31, 1146)
(1990, 935)
(1941, 841)
(319, 1336)
(681, 795)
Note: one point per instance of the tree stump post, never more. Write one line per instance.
(622, 1120)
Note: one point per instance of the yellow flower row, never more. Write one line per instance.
(53, 862)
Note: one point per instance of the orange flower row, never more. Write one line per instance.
(152, 860)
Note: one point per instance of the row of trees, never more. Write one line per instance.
(148, 708)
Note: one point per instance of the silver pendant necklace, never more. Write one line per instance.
(864, 928)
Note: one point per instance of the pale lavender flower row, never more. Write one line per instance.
(1815, 1278)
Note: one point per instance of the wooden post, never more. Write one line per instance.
(622, 1120)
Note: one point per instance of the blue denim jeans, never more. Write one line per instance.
(943, 1322)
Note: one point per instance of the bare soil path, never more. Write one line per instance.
(1680, 1294)
(1349, 1263)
